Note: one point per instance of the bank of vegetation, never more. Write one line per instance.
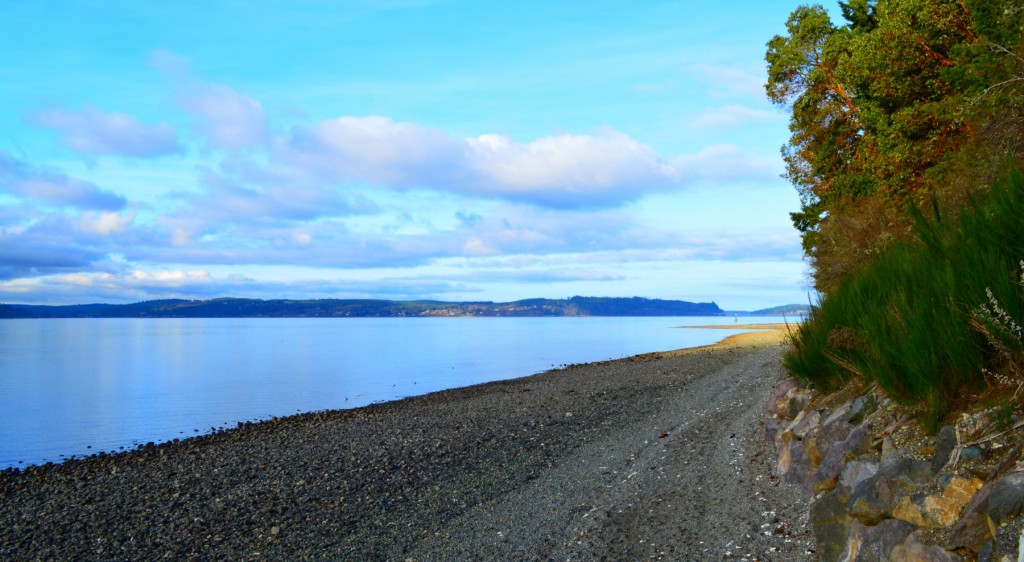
(907, 122)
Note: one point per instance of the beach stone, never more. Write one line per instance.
(796, 401)
(961, 490)
(804, 424)
(785, 461)
(937, 512)
(827, 475)
(874, 498)
(797, 465)
(988, 552)
(970, 453)
(773, 431)
(875, 544)
(974, 528)
(932, 512)
(831, 523)
(1006, 499)
(835, 461)
(856, 472)
(945, 443)
(803, 429)
(778, 399)
(1008, 541)
(914, 550)
(836, 425)
(858, 410)
(858, 442)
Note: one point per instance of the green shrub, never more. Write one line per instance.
(925, 319)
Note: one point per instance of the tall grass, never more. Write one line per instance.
(920, 319)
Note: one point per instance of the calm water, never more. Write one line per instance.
(74, 387)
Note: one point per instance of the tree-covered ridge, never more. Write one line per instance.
(356, 308)
(906, 103)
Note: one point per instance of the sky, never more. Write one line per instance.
(393, 149)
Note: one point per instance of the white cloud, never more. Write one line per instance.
(93, 131)
(372, 149)
(53, 188)
(733, 116)
(227, 118)
(558, 171)
(165, 279)
(104, 224)
(606, 167)
(731, 81)
(727, 163)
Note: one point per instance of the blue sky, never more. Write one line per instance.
(393, 149)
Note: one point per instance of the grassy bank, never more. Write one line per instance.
(934, 321)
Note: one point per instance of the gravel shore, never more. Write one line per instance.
(659, 456)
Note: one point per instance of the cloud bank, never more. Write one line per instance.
(560, 171)
(52, 188)
(93, 131)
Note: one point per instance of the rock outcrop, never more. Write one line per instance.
(880, 489)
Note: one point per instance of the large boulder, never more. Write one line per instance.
(779, 398)
(1007, 498)
(793, 465)
(876, 544)
(875, 498)
(838, 424)
(831, 523)
(974, 528)
(803, 429)
(914, 550)
(797, 400)
(856, 472)
(937, 511)
(835, 461)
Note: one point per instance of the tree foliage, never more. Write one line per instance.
(902, 102)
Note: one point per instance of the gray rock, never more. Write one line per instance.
(913, 549)
(945, 442)
(797, 401)
(1008, 540)
(799, 469)
(772, 429)
(835, 428)
(1007, 498)
(827, 475)
(876, 544)
(988, 552)
(804, 424)
(858, 410)
(831, 524)
(858, 442)
(874, 498)
(856, 472)
(889, 451)
(970, 453)
(913, 471)
(778, 400)
(974, 528)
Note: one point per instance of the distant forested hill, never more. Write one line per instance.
(788, 309)
(254, 308)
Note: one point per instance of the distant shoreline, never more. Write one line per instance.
(373, 308)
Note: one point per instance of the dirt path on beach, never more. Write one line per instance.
(661, 456)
